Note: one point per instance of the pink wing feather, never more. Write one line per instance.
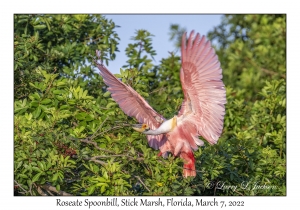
(132, 104)
(204, 92)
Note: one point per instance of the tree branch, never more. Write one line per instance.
(108, 156)
(267, 71)
(20, 186)
(113, 128)
(142, 182)
(93, 136)
(40, 191)
(53, 189)
(88, 141)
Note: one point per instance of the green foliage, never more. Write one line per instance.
(252, 47)
(176, 33)
(70, 134)
(247, 152)
(63, 44)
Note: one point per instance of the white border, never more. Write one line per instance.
(8, 201)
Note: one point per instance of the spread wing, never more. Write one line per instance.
(132, 104)
(203, 88)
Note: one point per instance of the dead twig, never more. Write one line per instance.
(109, 156)
(50, 85)
(40, 191)
(94, 159)
(88, 141)
(267, 71)
(157, 90)
(93, 136)
(20, 186)
(113, 128)
(50, 189)
(142, 183)
(30, 189)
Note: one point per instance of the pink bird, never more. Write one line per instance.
(202, 111)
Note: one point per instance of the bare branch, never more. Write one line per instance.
(113, 128)
(239, 193)
(95, 144)
(30, 188)
(93, 136)
(94, 159)
(50, 85)
(49, 192)
(142, 182)
(53, 189)
(40, 191)
(129, 157)
(267, 71)
(20, 186)
(159, 89)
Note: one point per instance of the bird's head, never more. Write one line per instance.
(141, 127)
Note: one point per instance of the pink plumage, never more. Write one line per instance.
(202, 111)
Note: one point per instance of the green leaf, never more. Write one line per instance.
(55, 177)
(91, 189)
(44, 108)
(38, 27)
(46, 101)
(57, 187)
(103, 189)
(60, 98)
(36, 177)
(89, 118)
(34, 103)
(106, 94)
(57, 92)
(81, 116)
(19, 165)
(71, 101)
(37, 112)
(112, 47)
(41, 165)
(101, 179)
(36, 96)
(24, 176)
(36, 169)
(110, 104)
(64, 107)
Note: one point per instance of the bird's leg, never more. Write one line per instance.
(189, 165)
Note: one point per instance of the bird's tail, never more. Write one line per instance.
(189, 165)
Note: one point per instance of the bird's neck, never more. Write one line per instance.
(165, 127)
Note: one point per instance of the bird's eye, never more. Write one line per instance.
(146, 127)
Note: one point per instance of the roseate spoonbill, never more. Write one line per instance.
(202, 110)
